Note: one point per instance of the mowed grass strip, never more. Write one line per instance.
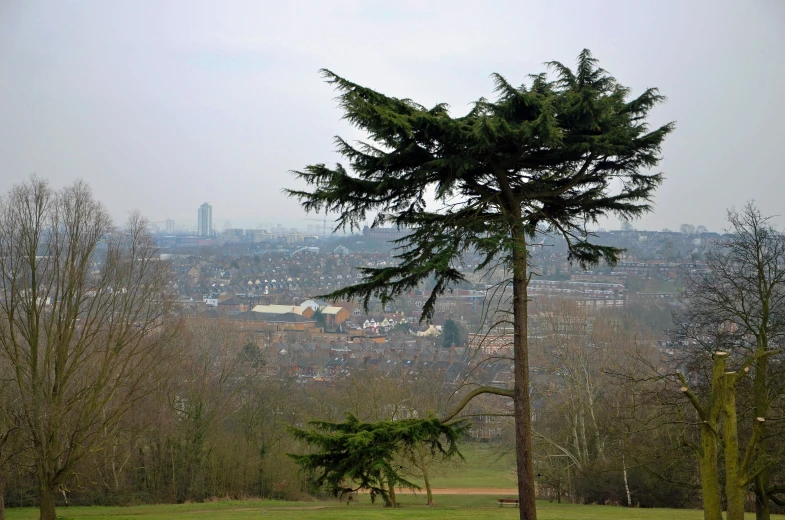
(448, 507)
(483, 467)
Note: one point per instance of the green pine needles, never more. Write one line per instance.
(354, 455)
(549, 155)
(553, 155)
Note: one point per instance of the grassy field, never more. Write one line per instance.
(448, 507)
(484, 468)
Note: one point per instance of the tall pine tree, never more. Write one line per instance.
(551, 155)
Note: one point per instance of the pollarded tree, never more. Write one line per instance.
(738, 305)
(550, 155)
(82, 308)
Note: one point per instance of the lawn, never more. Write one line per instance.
(448, 507)
(484, 467)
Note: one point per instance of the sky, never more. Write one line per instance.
(163, 105)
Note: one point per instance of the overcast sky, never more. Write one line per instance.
(162, 105)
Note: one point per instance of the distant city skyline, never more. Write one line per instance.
(315, 229)
(159, 107)
(310, 222)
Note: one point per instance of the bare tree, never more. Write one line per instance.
(687, 229)
(9, 427)
(214, 373)
(82, 312)
(581, 430)
(737, 305)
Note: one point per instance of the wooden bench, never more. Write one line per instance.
(508, 501)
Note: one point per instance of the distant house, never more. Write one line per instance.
(252, 320)
(306, 312)
(490, 343)
(334, 316)
(194, 273)
(312, 304)
(233, 304)
(431, 331)
(290, 321)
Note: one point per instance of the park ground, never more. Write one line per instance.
(475, 507)
(468, 490)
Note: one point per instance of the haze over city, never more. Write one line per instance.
(163, 106)
(557, 288)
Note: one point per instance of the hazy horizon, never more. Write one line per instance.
(163, 106)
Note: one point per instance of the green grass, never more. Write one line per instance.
(448, 507)
(484, 467)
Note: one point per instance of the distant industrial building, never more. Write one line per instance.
(205, 220)
(170, 226)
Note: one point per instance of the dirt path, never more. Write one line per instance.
(463, 491)
(276, 508)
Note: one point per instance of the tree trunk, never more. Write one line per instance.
(762, 503)
(707, 452)
(426, 479)
(46, 504)
(391, 484)
(626, 482)
(385, 495)
(174, 482)
(2, 496)
(710, 478)
(734, 494)
(523, 438)
(762, 481)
